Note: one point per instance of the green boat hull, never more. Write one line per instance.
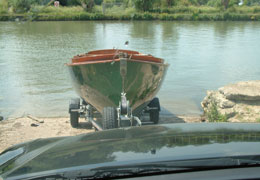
(101, 85)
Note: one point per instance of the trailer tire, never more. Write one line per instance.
(109, 118)
(155, 103)
(74, 119)
(74, 115)
(74, 104)
(154, 113)
(154, 116)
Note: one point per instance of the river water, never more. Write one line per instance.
(202, 56)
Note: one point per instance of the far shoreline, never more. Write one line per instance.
(146, 16)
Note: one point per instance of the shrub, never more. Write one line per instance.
(87, 4)
(3, 6)
(4, 18)
(232, 9)
(97, 9)
(125, 17)
(233, 3)
(195, 16)
(251, 2)
(214, 115)
(143, 5)
(184, 3)
(115, 10)
(226, 16)
(166, 17)
(20, 6)
(52, 9)
(130, 11)
(256, 9)
(204, 17)
(137, 16)
(98, 2)
(215, 3)
(84, 16)
(73, 3)
(208, 9)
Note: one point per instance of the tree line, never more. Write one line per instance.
(140, 5)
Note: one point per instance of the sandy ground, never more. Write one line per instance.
(13, 131)
(18, 130)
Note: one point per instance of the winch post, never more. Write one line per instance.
(124, 112)
(123, 68)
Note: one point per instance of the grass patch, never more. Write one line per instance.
(214, 115)
(56, 10)
(186, 9)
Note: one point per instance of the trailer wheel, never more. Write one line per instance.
(154, 116)
(109, 118)
(74, 119)
(74, 114)
(154, 113)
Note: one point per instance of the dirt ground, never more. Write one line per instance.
(18, 130)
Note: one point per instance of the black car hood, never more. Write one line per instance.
(132, 145)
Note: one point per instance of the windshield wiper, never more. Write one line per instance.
(174, 166)
(161, 167)
(215, 162)
(104, 172)
(131, 171)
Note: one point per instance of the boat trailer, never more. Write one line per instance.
(112, 117)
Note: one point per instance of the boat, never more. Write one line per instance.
(117, 83)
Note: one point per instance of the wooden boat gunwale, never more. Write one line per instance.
(101, 56)
(115, 60)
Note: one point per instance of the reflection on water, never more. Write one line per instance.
(202, 56)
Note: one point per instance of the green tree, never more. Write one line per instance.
(98, 2)
(225, 3)
(202, 2)
(87, 4)
(3, 6)
(233, 3)
(214, 3)
(144, 5)
(20, 6)
(170, 3)
(73, 3)
(252, 2)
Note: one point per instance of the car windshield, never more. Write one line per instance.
(118, 72)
